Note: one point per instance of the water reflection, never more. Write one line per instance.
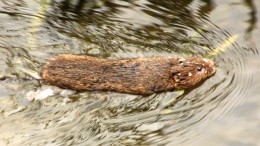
(252, 19)
(113, 29)
(108, 28)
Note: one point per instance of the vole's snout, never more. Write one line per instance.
(210, 66)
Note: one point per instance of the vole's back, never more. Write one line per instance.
(142, 76)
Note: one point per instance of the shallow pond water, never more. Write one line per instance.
(35, 113)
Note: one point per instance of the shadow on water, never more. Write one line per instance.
(112, 29)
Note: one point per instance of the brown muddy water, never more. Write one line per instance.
(223, 110)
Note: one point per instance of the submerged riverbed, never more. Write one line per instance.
(223, 110)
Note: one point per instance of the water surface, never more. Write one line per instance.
(33, 112)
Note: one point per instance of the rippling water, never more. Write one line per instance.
(33, 112)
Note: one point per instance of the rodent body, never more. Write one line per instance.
(135, 76)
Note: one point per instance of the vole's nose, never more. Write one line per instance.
(210, 66)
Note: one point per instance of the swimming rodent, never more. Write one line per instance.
(135, 76)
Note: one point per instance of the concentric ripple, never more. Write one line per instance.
(113, 29)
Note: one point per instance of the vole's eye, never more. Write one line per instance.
(176, 74)
(181, 61)
(199, 68)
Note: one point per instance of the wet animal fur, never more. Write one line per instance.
(135, 76)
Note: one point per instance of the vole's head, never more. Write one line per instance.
(191, 71)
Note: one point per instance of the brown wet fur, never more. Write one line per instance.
(135, 76)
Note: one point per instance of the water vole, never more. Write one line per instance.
(135, 76)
